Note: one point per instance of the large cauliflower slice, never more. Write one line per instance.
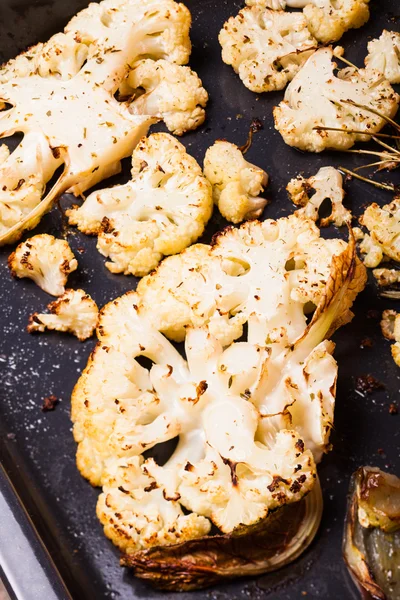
(383, 240)
(171, 92)
(75, 311)
(62, 99)
(390, 325)
(266, 48)
(310, 194)
(236, 183)
(327, 20)
(343, 103)
(384, 55)
(161, 211)
(46, 260)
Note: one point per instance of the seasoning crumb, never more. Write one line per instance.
(381, 451)
(49, 403)
(393, 410)
(373, 314)
(81, 250)
(366, 343)
(366, 384)
(10, 436)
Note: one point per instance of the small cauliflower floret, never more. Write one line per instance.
(161, 211)
(390, 326)
(326, 184)
(171, 92)
(266, 48)
(301, 121)
(236, 183)
(74, 311)
(386, 277)
(384, 55)
(46, 260)
(383, 240)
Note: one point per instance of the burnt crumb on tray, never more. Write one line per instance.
(366, 384)
(393, 410)
(49, 403)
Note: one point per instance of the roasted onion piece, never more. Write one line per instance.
(371, 545)
(200, 563)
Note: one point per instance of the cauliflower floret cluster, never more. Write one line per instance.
(386, 277)
(327, 20)
(46, 260)
(384, 55)
(343, 103)
(75, 311)
(266, 48)
(236, 183)
(62, 97)
(383, 241)
(390, 326)
(161, 211)
(310, 194)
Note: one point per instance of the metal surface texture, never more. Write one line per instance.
(38, 450)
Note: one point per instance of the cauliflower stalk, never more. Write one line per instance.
(390, 326)
(326, 184)
(74, 311)
(46, 260)
(161, 211)
(62, 99)
(236, 183)
(327, 20)
(383, 241)
(266, 48)
(252, 417)
(343, 103)
(384, 55)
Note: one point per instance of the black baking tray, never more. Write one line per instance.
(38, 451)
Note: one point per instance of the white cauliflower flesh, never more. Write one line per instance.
(383, 240)
(46, 260)
(66, 109)
(171, 92)
(310, 194)
(74, 311)
(161, 211)
(384, 55)
(236, 183)
(390, 325)
(266, 48)
(340, 97)
(327, 20)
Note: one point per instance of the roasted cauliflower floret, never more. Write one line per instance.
(46, 260)
(310, 194)
(161, 211)
(390, 326)
(171, 92)
(383, 240)
(74, 311)
(301, 121)
(384, 55)
(236, 183)
(386, 277)
(66, 107)
(266, 48)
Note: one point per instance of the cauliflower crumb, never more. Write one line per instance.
(384, 55)
(74, 311)
(168, 91)
(299, 118)
(327, 183)
(266, 48)
(46, 260)
(161, 211)
(383, 240)
(236, 183)
(390, 325)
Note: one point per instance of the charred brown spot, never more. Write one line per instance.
(189, 466)
(276, 481)
(170, 370)
(56, 152)
(297, 483)
(232, 466)
(49, 403)
(106, 226)
(152, 486)
(173, 498)
(366, 384)
(393, 410)
(299, 445)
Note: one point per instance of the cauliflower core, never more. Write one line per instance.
(251, 417)
(75, 312)
(383, 241)
(62, 99)
(327, 20)
(46, 260)
(236, 183)
(299, 118)
(384, 55)
(390, 326)
(326, 184)
(161, 211)
(266, 48)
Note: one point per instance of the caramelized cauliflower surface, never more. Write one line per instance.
(384, 55)
(390, 325)
(383, 240)
(46, 260)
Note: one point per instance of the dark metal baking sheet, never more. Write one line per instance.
(37, 448)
